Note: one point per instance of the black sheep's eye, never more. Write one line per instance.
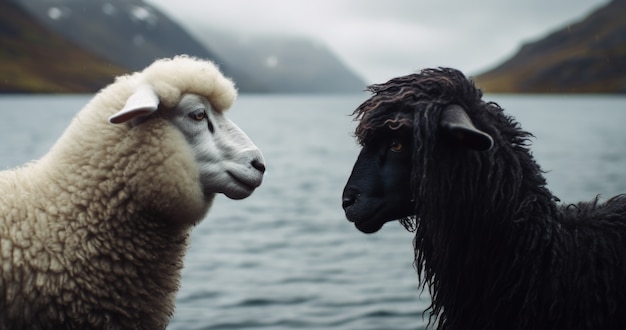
(396, 146)
(198, 115)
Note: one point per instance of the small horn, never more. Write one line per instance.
(459, 127)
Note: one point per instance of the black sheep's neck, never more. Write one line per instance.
(497, 215)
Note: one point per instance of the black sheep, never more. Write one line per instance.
(492, 244)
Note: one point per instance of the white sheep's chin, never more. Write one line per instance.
(238, 192)
(241, 183)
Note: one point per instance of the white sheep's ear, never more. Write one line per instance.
(459, 126)
(142, 103)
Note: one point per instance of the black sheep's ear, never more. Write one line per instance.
(458, 125)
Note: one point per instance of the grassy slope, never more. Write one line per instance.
(586, 57)
(33, 59)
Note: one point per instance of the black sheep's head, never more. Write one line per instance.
(394, 134)
(379, 188)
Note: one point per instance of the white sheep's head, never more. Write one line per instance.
(228, 161)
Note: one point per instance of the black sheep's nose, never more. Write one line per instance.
(348, 199)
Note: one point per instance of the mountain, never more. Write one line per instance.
(285, 64)
(127, 35)
(33, 58)
(584, 57)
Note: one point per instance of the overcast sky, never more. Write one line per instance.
(383, 39)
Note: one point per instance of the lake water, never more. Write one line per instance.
(286, 258)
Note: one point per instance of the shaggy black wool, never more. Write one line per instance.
(492, 244)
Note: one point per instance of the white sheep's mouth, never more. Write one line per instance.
(243, 185)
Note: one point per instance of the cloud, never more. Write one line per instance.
(380, 40)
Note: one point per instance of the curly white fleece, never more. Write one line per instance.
(93, 234)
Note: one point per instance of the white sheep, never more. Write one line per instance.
(93, 234)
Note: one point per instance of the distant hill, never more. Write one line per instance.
(285, 64)
(35, 59)
(128, 33)
(584, 57)
(80, 45)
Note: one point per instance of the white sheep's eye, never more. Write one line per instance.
(198, 115)
(396, 146)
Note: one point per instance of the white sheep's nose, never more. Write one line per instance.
(253, 164)
(258, 164)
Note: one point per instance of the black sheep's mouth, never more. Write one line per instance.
(368, 223)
